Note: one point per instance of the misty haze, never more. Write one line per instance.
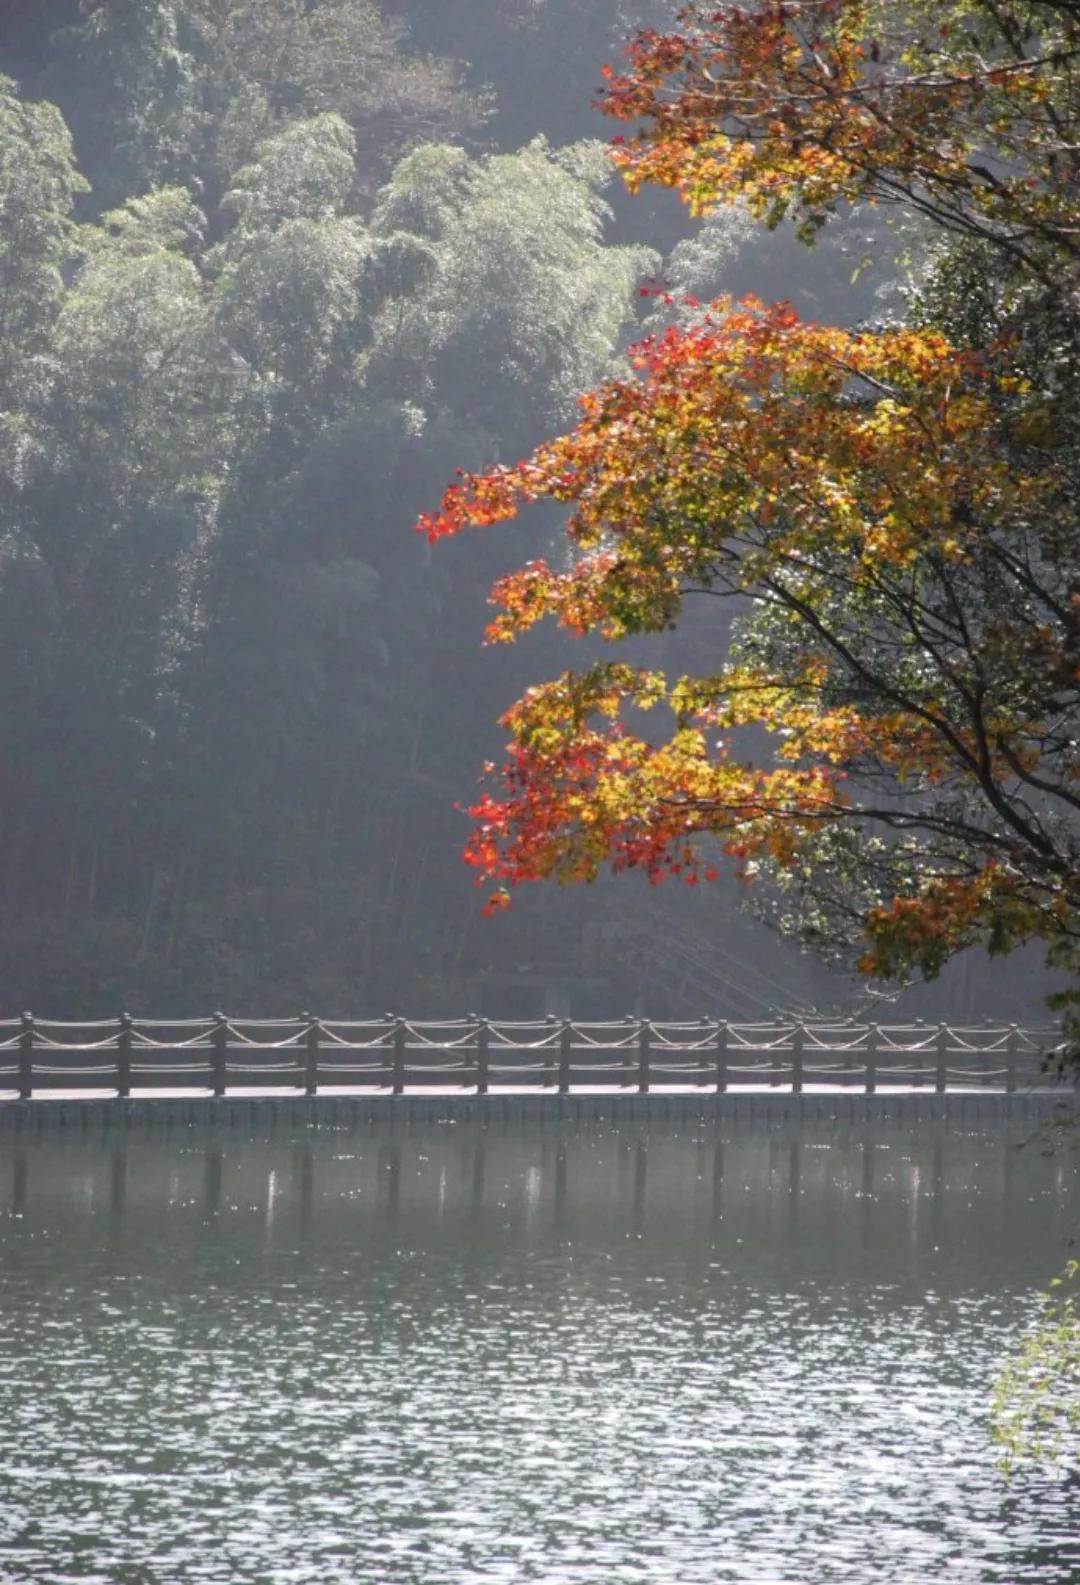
(539, 792)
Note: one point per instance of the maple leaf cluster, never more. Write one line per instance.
(898, 504)
(960, 111)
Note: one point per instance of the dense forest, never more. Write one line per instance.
(271, 270)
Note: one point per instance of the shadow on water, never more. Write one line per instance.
(459, 1353)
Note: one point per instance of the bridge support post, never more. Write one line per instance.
(483, 1051)
(703, 1063)
(398, 1080)
(549, 1073)
(311, 1053)
(219, 1055)
(565, 1041)
(798, 1041)
(644, 1053)
(873, 1040)
(1012, 1047)
(941, 1059)
(123, 1058)
(721, 1056)
(26, 1058)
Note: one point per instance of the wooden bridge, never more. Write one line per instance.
(221, 1056)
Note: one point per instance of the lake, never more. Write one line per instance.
(585, 1356)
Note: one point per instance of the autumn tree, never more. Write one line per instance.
(891, 511)
(964, 112)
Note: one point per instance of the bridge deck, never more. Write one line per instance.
(758, 1106)
(283, 1092)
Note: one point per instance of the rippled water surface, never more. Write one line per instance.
(459, 1355)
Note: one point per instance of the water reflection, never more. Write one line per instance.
(214, 1173)
(462, 1354)
(560, 1185)
(20, 1182)
(118, 1183)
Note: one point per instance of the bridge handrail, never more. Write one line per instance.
(561, 1052)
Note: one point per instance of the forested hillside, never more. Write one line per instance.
(271, 269)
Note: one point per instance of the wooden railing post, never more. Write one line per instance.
(941, 1059)
(1012, 1048)
(798, 1039)
(123, 1058)
(26, 1058)
(400, 1033)
(872, 1039)
(549, 1072)
(721, 1056)
(565, 1039)
(703, 1061)
(483, 1042)
(644, 1052)
(311, 1053)
(219, 1044)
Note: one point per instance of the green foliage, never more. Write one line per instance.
(305, 172)
(164, 91)
(272, 60)
(523, 286)
(292, 307)
(164, 220)
(232, 391)
(130, 91)
(562, 46)
(1035, 1414)
(38, 186)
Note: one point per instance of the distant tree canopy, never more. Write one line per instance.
(231, 369)
(161, 91)
(892, 509)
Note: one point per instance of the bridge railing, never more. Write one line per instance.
(223, 1055)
